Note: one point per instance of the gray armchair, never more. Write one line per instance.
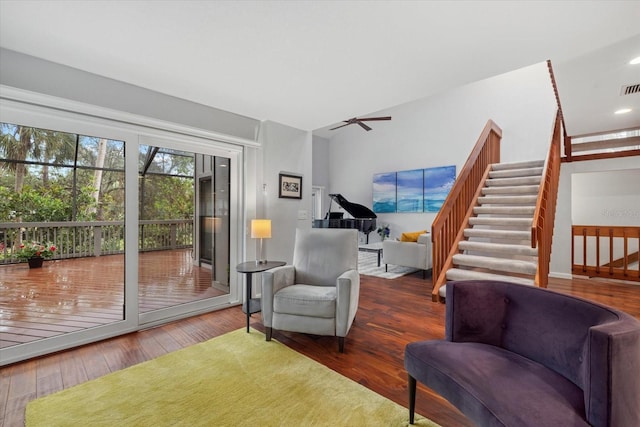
(319, 293)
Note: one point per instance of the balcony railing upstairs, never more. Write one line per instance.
(605, 251)
(449, 220)
(86, 239)
(545, 212)
(624, 143)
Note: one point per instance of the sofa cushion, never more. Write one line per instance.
(496, 387)
(411, 236)
(306, 300)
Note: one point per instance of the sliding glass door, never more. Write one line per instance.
(62, 202)
(185, 229)
(142, 226)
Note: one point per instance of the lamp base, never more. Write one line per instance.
(261, 261)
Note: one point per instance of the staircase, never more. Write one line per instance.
(497, 242)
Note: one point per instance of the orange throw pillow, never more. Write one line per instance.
(412, 236)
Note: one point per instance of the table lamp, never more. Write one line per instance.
(260, 229)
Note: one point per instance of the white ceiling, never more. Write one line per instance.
(310, 64)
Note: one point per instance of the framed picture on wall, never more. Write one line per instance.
(290, 187)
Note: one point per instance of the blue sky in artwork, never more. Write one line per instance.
(439, 180)
(384, 181)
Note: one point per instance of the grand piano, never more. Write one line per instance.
(363, 218)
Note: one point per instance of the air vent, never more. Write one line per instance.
(630, 89)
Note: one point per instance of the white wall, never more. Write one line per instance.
(286, 150)
(561, 250)
(606, 197)
(441, 130)
(38, 75)
(321, 167)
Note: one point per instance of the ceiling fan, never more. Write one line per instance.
(358, 121)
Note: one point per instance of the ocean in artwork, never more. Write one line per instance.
(417, 190)
(384, 192)
(433, 205)
(384, 206)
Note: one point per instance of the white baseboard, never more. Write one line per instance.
(561, 275)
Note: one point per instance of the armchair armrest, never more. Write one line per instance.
(410, 254)
(272, 281)
(610, 392)
(347, 297)
(424, 238)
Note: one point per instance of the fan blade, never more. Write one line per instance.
(341, 126)
(365, 127)
(376, 118)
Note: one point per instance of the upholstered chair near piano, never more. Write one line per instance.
(318, 294)
(411, 250)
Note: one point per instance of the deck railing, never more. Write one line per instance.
(85, 239)
(447, 223)
(545, 212)
(605, 251)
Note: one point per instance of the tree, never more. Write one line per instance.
(97, 173)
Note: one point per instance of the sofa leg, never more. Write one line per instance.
(268, 331)
(386, 268)
(341, 344)
(412, 399)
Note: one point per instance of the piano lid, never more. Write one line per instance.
(354, 209)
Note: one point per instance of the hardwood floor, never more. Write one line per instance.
(391, 314)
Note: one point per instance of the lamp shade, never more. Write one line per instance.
(261, 228)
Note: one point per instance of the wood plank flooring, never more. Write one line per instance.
(392, 313)
(73, 294)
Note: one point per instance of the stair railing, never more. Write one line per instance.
(545, 212)
(448, 222)
(565, 137)
(601, 247)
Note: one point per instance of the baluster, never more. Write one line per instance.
(626, 254)
(611, 251)
(598, 250)
(584, 250)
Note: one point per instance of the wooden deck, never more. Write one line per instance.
(69, 295)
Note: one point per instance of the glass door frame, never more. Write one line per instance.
(199, 146)
(49, 112)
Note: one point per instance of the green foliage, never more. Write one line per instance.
(31, 206)
(48, 175)
(166, 197)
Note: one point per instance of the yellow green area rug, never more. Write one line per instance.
(237, 379)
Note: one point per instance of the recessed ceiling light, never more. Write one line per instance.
(623, 111)
(635, 61)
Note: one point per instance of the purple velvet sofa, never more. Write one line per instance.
(516, 355)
